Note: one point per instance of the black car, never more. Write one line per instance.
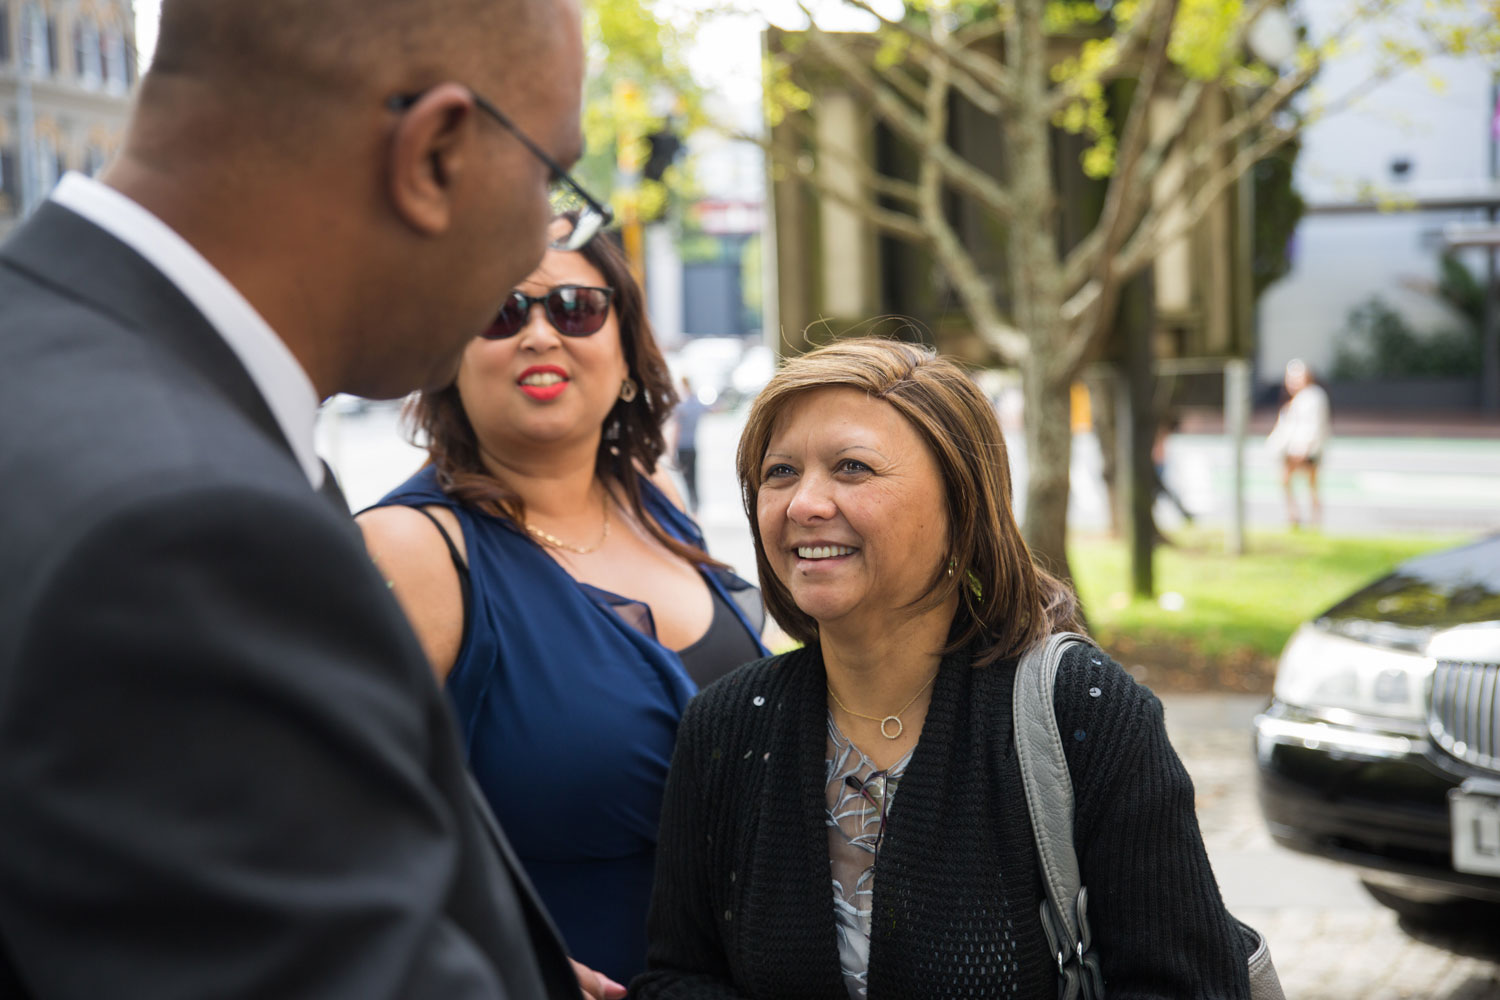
(1381, 748)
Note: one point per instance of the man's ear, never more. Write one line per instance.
(428, 151)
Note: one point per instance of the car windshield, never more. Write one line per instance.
(1434, 591)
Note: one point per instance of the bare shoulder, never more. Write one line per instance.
(404, 536)
(411, 555)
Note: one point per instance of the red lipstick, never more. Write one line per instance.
(545, 389)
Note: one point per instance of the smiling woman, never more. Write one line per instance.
(851, 514)
(881, 754)
(562, 594)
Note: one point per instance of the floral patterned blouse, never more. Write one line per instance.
(859, 798)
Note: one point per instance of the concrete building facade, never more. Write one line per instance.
(67, 69)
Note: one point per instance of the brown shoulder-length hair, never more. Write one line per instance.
(1018, 602)
(632, 442)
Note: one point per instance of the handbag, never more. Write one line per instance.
(1049, 802)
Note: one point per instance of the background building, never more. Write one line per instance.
(1382, 181)
(67, 68)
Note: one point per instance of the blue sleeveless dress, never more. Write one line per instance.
(569, 713)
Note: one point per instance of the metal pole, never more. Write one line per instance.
(1236, 424)
(26, 117)
(1489, 389)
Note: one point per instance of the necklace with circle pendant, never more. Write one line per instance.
(887, 720)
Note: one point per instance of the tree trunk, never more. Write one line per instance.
(1036, 288)
(1049, 455)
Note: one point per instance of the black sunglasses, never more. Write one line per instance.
(591, 216)
(573, 311)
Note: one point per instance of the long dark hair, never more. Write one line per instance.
(1017, 602)
(632, 443)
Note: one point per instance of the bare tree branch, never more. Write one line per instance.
(971, 286)
(1129, 47)
(1081, 303)
(964, 176)
(1084, 258)
(980, 31)
(977, 73)
(1151, 236)
(1122, 198)
(1277, 96)
(873, 180)
(896, 223)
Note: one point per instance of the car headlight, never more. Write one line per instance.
(1319, 670)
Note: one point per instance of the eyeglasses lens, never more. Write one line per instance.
(573, 311)
(576, 311)
(511, 319)
(586, 226)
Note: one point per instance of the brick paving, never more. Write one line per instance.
(1330, 941)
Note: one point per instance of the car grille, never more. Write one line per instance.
(1464, 716)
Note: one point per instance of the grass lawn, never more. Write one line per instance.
(1220, 621)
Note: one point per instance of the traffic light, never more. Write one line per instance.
(664, 149)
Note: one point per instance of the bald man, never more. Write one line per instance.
(225, 769)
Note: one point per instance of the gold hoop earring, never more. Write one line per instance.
(628, 390)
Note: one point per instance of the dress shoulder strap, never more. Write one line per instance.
(465, 586)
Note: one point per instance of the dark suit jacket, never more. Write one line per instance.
(225, 768)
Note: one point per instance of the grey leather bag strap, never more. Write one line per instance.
(1049, 803)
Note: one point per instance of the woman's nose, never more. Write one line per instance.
(812, 501)
(537, 334)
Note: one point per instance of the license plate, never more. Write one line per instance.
(1476, 831)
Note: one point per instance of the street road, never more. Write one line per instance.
(1330, 941)
(1369, 485)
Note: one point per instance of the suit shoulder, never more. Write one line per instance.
(98, 417)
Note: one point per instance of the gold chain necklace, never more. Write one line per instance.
(893, 717)
(557, 543)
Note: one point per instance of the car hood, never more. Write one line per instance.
(1423, 596)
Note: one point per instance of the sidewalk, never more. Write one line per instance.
(1359, 423)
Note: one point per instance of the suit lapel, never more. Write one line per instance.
(331, 491)
(62, 249)
(547, 944)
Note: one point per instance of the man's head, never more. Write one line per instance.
(377, 236)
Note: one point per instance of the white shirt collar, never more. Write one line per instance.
(281, 380)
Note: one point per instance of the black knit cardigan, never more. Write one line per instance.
(743, 903)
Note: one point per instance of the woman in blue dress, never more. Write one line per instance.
(562, 595)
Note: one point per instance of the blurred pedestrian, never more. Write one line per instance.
(1164, 430)
(561, 594)
(876, 480)
(1300, 436)
(225, 767)
(689, 410)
